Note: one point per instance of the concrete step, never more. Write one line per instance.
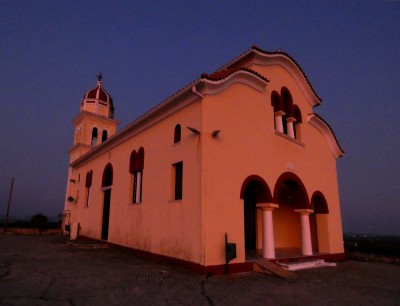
(295, 266)
(265, 266)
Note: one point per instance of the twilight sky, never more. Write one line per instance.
(51, 52)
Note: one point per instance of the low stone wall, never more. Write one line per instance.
(31, 231)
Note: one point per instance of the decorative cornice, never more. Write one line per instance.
(83, 114)
(327, 132)
(258, 56)
(214, 84)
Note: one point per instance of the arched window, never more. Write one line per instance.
(104, 136)
(297, 123)
(177, 133)
(288, 118)
(107, 176)
(94, 136)
(88, 184)
(277, 104)
(136, 166)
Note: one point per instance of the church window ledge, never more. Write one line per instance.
(130, 204)
(290, 138)
(175, 201)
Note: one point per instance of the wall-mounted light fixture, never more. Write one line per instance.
(215, 133)
(193, 130)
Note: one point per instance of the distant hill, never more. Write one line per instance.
(372, 244)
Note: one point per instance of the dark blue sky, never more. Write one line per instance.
(51, 52)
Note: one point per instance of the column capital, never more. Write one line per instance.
(291, 119)
(304, 211)
(280, 113)
(267, 205)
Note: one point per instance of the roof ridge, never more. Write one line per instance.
(220, 75)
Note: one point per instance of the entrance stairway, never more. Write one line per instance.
(284, 270)
(310, 264)
(265, 266)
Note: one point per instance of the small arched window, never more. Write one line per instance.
(297, 123)
(287, 102)
(94, 136)
(277, 104)
(104, 136)
(288, 118)
(177, 133)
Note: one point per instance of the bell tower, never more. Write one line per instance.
(93, 125)
(95, 122)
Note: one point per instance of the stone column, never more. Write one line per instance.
(290, 127)
(278, 121)
(306, 245)
(268, 229)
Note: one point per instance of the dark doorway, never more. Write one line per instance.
(254, 190)
(106, 184)
(106, 214)
(249, 220)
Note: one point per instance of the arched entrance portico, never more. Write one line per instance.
(285, 221)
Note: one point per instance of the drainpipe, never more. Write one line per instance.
(194, 90)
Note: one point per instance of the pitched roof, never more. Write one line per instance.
(233, 69)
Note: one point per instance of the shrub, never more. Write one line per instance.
(39, 221)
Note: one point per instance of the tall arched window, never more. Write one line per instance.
(94, 136)
(88, 184)
(136, 167)
(107, 176)
(177, 133)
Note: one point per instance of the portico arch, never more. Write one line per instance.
(290, 190)
(254, 191)
(291, 195)
(318, 220)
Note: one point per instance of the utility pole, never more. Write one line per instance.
(9, 203)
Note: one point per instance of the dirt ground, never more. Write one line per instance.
(45, 270)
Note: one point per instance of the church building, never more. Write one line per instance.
(236, 156)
